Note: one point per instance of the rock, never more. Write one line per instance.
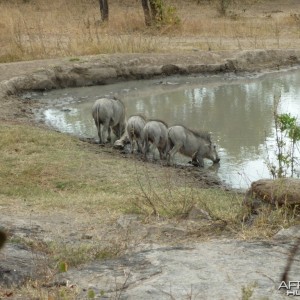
(287, 233)
(124, 221)
(170, 69)
(197, 213)
(274, 191)
(217, 269)
(19, 265)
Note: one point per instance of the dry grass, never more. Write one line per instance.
(79, 187)
(47, 170)
(55, 178)
(42, 29)
(269, 221)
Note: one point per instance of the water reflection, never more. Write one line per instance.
(238, 111)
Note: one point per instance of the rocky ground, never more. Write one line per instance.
(159, 265)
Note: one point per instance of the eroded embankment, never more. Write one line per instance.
(85, 71)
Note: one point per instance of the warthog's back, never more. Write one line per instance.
(109, 114)
(111, 110)
(188, 140)
(156, 130)
(102, 109)
(135, 126)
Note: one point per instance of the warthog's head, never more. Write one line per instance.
(208, 151)
(122, 142)
(213, 154)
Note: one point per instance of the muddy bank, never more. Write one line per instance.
(16, 78)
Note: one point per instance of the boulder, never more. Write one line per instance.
(274, 191)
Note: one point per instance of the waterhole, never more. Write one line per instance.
(238, 110)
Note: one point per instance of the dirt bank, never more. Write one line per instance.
(59, 73)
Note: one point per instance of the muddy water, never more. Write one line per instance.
(237, 110)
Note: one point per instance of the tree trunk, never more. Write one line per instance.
(104, 10)
(146, 9)
(156, 10)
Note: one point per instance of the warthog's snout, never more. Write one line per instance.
(217, 160)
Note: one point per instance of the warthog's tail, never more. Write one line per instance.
(97, 122)
(132, 131)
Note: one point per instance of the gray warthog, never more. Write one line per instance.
(156, 132)
(133, 133)
(196, 145)
(135, 126)
(109, 114)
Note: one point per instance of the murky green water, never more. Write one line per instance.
(237, 110)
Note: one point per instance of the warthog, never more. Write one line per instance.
(135, 126)
(196, 145)
(156, 132)
(133, 134)
(109, 114)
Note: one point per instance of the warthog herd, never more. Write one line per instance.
(109, 114)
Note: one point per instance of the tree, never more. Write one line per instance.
(153, 11)
(103, 10)
(147, 13)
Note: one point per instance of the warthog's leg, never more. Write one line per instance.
(145, 148)
(198, 158)
(105, 132)
(161, 154)
(155, 145)
(99, 133)
(152, 149)
(132, 142)
(98, 126)
(117, 130)
(139, 146)
(149, 147)
(172, 152)
(109, 134)
(200, 161)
